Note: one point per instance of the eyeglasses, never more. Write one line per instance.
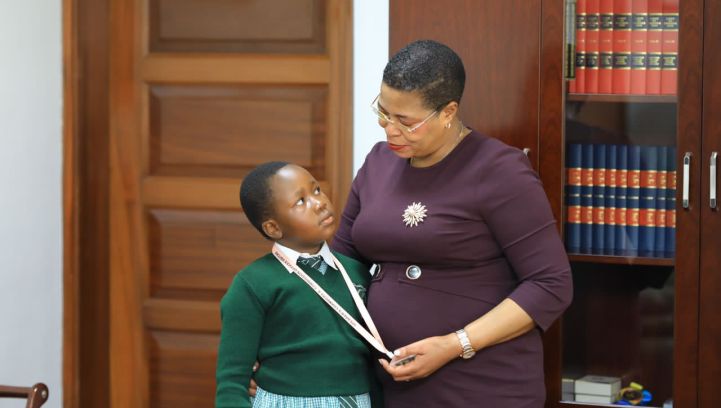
(385, 119)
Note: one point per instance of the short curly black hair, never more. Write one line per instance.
(256, 195)
(429, 67)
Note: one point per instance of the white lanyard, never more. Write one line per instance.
(375, 338)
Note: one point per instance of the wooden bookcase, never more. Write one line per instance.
(654, 320)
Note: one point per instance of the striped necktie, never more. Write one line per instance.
(313, 262)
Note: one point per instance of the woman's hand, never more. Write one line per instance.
(253, 387)
(431, 353)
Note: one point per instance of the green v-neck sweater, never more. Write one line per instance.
(304, 348)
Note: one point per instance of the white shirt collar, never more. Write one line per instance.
(293, 255)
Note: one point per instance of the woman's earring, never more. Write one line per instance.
(448, 125)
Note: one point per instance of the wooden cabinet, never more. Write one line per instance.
(644, 313)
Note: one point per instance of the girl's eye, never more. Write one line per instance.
(317, 190)
(300, 201)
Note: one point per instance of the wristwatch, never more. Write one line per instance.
(468, 351)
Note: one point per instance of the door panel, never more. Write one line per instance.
(710, 277)
(202, 92)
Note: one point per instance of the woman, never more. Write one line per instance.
(471, 267)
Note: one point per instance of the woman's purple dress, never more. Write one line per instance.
(489, 234)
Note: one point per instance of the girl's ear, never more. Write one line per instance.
(272, 229)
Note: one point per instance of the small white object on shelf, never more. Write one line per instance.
(598, 385)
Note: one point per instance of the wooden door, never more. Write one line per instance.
(201, 92)
(500, 44)
(710, 276)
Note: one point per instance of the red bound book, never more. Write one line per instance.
(622, 46)
(654, 47)
(579, 84)
(669, 47)
(639, 32)
(592, 45)
(605, 46)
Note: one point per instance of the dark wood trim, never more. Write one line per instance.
(85, 204)
(621, 260)
(71, 316)
(549, 156)
(688, 136)
(340, 158)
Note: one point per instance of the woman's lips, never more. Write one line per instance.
(395, 147)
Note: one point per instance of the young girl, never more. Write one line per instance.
(309, 355)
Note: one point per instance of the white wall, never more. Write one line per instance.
(30, 195)
(370, 54)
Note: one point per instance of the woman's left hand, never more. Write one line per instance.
(431, 354)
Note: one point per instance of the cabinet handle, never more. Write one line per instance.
(712, 181)
(686, 170)
(526, 150)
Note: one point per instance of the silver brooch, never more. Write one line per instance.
(414, 214)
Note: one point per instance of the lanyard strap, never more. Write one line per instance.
(374, 339)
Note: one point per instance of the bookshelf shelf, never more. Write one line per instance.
(621, 260)
(611, 98)
(569, 404)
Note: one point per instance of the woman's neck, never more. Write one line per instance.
(441, 153)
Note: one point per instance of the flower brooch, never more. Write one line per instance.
(414, 214)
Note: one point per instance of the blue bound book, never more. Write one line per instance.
(633, 199)
(671, 203)
(647, 204)
(609, 235)
(599, 193)
(587, 199)
(573, 197)
(659, 247)
(621, 202)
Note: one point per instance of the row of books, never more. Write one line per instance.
(621, 200)
(626, 47)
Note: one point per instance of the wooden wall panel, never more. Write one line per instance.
(499, 42)
(200, 250)
(258, 26)
(223, 131)
(182, 369)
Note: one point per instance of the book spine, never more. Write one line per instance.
(622, 46)
(609, 234)
(599, 198)
(639, 34)
(587, 199)
(647, 213)
(659, 248)
(669, 51)
(605, 46)
(621, 202)
(573, 198)
(580, 82)
(633, 199)
(654, 47)
(671, 203)
(593, 18)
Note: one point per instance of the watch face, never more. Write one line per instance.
(468, 354)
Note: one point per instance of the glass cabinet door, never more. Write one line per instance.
(620, 201)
